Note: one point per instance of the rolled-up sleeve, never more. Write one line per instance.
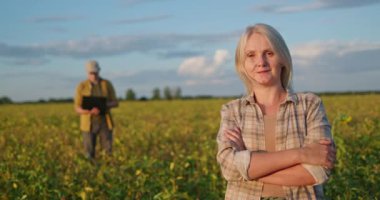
(319, 173)
(242, 161)
(318, 127)
(234, 164)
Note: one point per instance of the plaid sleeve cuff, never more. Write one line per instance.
(317, 172)
(242, 160)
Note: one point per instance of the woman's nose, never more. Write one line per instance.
(261, 61)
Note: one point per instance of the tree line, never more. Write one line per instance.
(167, 94)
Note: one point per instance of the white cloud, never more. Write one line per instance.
(336, 65)
(27, 61)
(201, 66)
(337, 54)
(115, 45)
(220, 57)
(315, 5)
(194, 66)
(54, 19)
(196, 82)
(202, 70)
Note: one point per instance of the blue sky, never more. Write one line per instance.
(143, 44)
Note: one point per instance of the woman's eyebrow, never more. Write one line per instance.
(263, 50)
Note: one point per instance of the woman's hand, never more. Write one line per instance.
(322, 153)
(234, 136)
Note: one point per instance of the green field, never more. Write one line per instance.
(163, 150)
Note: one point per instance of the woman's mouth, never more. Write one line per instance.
(263, 71)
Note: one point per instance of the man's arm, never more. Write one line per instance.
(78, 103)
(81, 111)
(112, 100)
(112, 104)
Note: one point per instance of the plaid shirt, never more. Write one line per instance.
(301, 120)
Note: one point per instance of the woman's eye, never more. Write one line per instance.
(250, 55)
(269, 53)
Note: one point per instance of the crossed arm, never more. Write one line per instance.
(285, 167)
(306, 165)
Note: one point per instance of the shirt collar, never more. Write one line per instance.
(291, 97)
(90, 83)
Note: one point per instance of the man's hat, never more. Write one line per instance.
(92, 66)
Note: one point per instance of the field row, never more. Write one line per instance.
(162, 150)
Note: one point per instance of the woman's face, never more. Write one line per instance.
(262, 64)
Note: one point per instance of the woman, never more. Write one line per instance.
(272, 143)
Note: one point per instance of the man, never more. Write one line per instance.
(94, 121)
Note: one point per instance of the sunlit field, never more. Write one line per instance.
(163, 150)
